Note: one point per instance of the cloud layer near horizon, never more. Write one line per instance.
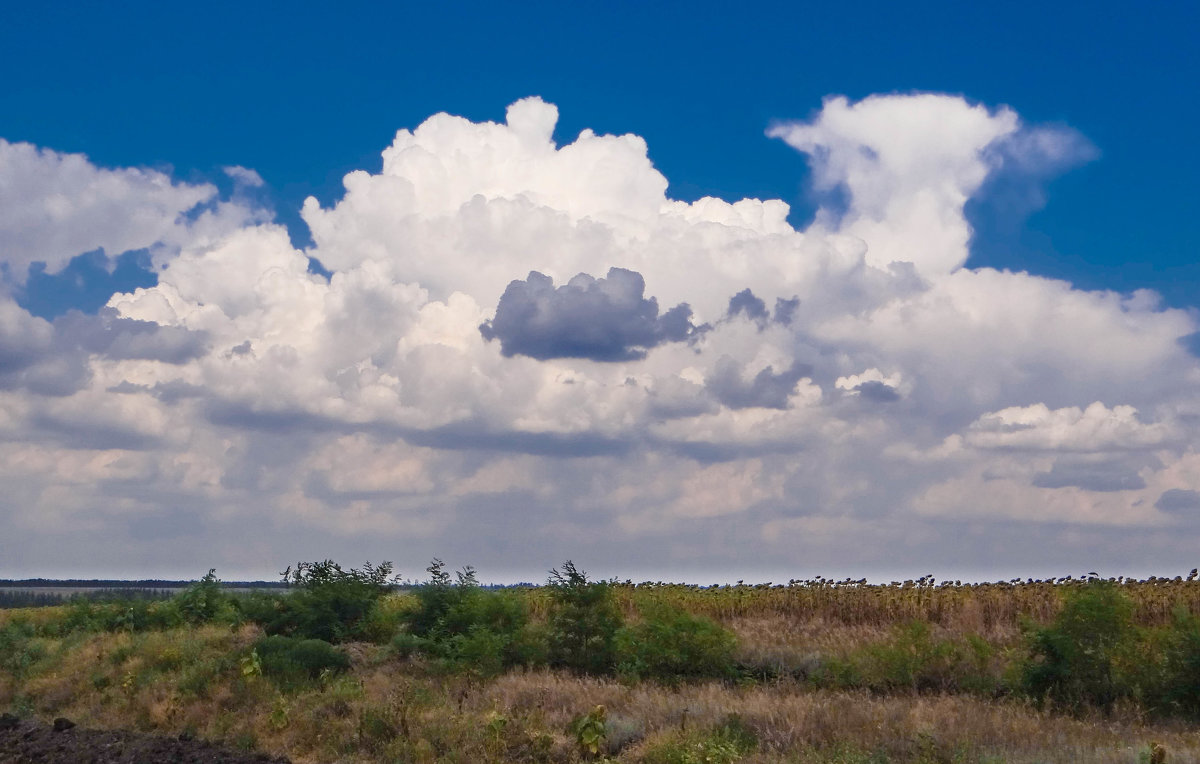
(527, 352)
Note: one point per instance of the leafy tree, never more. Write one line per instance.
(583, 622)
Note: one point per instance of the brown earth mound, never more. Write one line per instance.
(23, 741)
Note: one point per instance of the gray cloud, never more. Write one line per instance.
(128, 339)
(606, 319)
(1179, 501)
(751, 306)
(746, 303)
(768, 389)
(877, 391)
(1092, 476)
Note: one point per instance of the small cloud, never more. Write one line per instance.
(606, 319)
(767, 389)
(872, 385)
(746, 303)
(244, 176)
(1103, 476)
(879, 392)
(1179, 501)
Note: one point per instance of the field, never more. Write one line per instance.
(344, 668)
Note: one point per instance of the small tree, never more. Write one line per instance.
(583, 622)
(204, 600)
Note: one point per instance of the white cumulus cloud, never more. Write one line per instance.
(528, 352)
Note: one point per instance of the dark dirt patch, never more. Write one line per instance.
(25, 741)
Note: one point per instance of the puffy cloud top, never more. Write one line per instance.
(55, 206)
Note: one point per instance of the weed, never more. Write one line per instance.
(589, 731)
(723, 744)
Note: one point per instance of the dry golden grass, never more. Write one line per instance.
(390, 710)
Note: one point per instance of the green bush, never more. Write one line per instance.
(20, 648)
(915, 660)
(292, 662)
(328, 603)
(583, 622)
(468, 628)
(1177, 691)
(670, 643)
(1078, 659)
(204, 600)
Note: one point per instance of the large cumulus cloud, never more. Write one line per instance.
(487, 374)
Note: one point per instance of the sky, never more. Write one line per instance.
(676, 291)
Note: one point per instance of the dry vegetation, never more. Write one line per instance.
(202, 680)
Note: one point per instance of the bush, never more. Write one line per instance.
(329, 603)
(1177, 691)
(1077, 660)
(204, 600)
(293, 662)
(470, 629)
(670, 643)
(583, 622)
(19, 648)
(915, 660)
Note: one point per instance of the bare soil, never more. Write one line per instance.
(25, 741)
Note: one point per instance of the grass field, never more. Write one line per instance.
(814, 672)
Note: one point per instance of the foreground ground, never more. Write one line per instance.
(844, 674)
(188, 682)
(23, 741)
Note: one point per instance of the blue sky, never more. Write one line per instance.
(303, 94)
(571, 320)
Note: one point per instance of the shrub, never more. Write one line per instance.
(329, 603)
(583, 622)
(470, 629)
(293, 662)
(1178, 690)
(670, 643)
(913, 659)
(1076, 660)
(204, 600)
(19, 648)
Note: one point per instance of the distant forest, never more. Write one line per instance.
(46, 592)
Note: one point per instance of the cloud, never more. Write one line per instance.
(1092, 476)
(54, 206)
(907, 165)
(1179, 501)
(244, 176)
(767, 388)
(1094, 428)
(604, 319)
(854, 385)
